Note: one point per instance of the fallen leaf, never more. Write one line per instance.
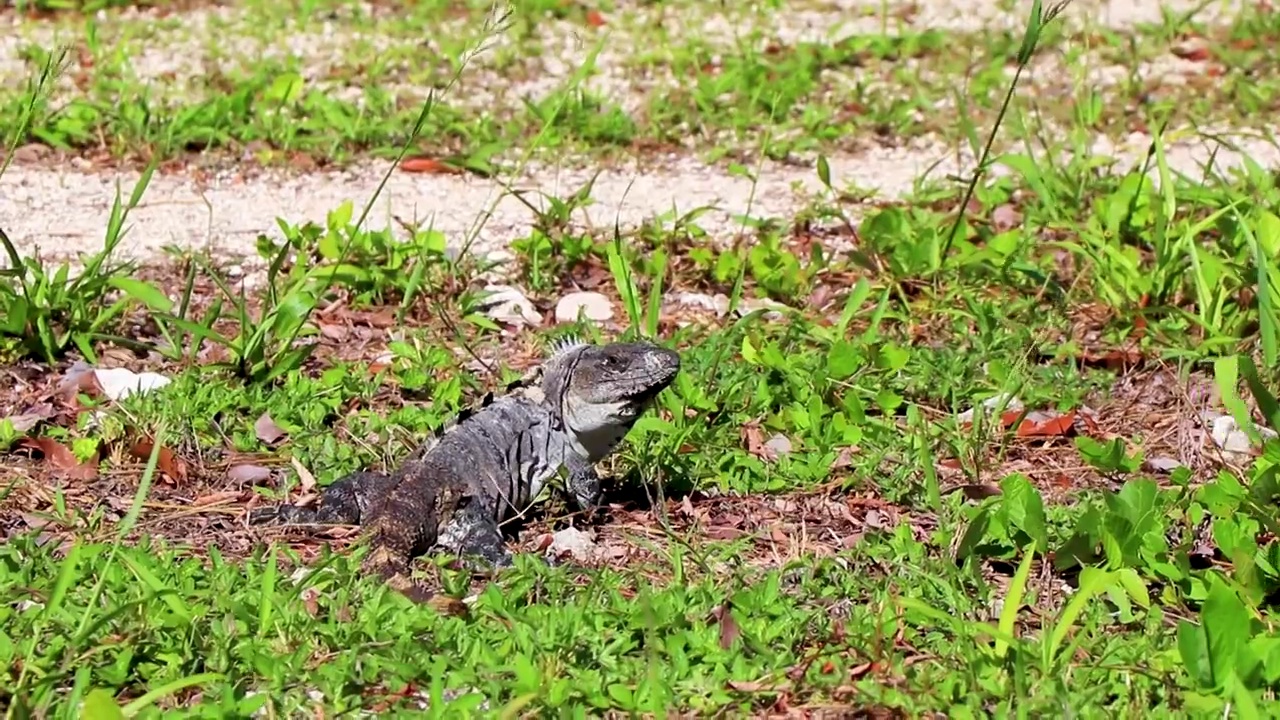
(169, 464)
(217, 498)
(62, 459)
(267, 430)
(28, 420)
(1038, 425)
(422, 164)
(249, 474)
(1005, 217)
(753, 439)
(979, 491)
(305, 478)
(729, 631)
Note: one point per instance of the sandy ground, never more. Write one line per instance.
(67, 211)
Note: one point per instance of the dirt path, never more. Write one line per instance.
(64, 212)
(68, 212)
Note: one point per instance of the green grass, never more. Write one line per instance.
(888, 556)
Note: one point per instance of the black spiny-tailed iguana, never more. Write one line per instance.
(491, 462)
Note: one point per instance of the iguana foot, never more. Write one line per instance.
(472, 534)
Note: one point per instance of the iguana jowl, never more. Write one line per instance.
(490, 463)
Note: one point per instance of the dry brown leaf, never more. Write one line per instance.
(422, 164)
(1005, 217)
(753, 440)
(305, 478)
(26, 421)
(169, 464)
(1037, 426)
(62, 459)
(729, 631)
(267, 430)
(217, 498)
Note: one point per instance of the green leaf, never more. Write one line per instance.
(824, 171)
(1226, 628)
(842, 360)
(1025, 508)
(143, 291)
(1194, 651)
(100, 704)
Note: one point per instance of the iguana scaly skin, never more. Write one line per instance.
(489, 464)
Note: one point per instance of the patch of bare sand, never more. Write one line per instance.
(65, 213)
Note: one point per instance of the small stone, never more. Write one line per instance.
(750, 305)
(573, 542)
(31, 153)
(1011, 404)
(1161, 464)
(718, 303)
(592, 306)
(119, 383)
(507, 304)
(1228, 435)
(780, 444)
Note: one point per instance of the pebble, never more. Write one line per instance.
(592, 305)
(509, 305)
(718, 303)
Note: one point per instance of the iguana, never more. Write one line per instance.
(490, 463)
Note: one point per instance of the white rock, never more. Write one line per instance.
(750, 305)
(507, 304)
(991, 403)
(1162, 464)
(592, 305)
(780, 444)
(1227, 435)
(718, 303)
(119, 383)
(571, 541)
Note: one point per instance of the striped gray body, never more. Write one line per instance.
(490, 464)
(507, 453)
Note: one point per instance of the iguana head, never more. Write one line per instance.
(600, 390)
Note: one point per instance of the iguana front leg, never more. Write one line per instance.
(472, 532)
(582, 484)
